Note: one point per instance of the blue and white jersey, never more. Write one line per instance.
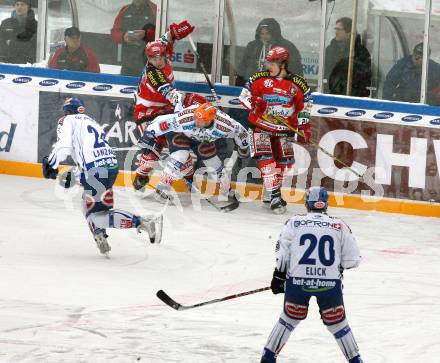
(85, 141)
(222, 127)
(311, 248)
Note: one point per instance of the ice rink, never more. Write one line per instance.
(63, 302)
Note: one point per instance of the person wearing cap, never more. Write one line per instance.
(267, 36)
(18, 38)
(403, 81)
(134, 26)
(73, 56)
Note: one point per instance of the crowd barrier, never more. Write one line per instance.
(396, 146)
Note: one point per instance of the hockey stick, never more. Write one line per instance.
(162, 295)
(272, 118)
(205, 73)
(227, 206)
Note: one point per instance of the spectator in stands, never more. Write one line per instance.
(73, 56)
(336, 62)
(267, 35)
(134, 26)
(18, 38)
(403, 81)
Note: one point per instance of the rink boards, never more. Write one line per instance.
(396, 146)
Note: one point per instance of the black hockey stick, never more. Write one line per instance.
(273, 118)
(205, 72)
(162, 295)
(226, 206)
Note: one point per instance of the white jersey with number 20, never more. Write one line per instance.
(311, 248)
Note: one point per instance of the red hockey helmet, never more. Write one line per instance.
(155, 49)
(277, 54)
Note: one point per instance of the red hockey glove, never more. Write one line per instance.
(193, 99)
(259, 106)
(180, 31)
(307, 131)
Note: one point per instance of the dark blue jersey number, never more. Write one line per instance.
(325, 243)
(100, 140)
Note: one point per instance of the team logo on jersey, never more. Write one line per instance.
(164, 126)
(268, 83)
(337, 226)
(126, 223)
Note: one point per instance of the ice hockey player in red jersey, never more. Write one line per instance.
(276, 93)
(157, 94)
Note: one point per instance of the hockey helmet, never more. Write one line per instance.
(205, 114)
(155, 49)
(277, 54)
(73, 106)
(316, 199)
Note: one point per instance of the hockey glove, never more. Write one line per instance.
(180, 31)
(48, 172)
(277, 283)
(306, 131)
(147, 141)
(243, 153)
(259, 106)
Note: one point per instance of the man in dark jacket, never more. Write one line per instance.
(267, 36)
(403, 81)
(74, 56)
(18, 38)
(336, 63)
(134, 26)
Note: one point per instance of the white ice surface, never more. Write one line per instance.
(60, 301)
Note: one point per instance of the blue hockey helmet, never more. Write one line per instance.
(72, 106)
(316, 199)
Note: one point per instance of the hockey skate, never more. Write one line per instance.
(140, 181)
(277, 203)
(152, 224)
(162, 196)
(101, 241)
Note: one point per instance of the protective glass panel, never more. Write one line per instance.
(201, 14)
(18, 31)
(433, 70)
(337, 50)
(397, 28)
(114, 34)
(249, 33)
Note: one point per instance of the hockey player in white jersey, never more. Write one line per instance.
(82, 138)
(311, 253)
(195, 128)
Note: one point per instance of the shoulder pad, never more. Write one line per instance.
(259, 75)
(156, 77)
(299, 81)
